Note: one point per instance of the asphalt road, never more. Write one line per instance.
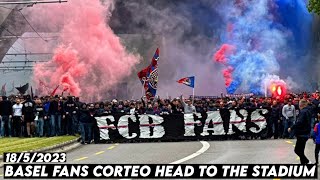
(232, 152)
(210, 152)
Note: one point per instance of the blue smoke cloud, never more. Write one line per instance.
(293, 15)
(264, 33)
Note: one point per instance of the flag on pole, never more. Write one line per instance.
(149, 76)
(54, 91)
(189, 81)
(23, 89)
(64, 90)
(3, 90)
(32, 93)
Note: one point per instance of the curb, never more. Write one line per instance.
(58, 146)
(63, 147)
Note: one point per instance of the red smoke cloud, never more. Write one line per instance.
(90, 59)
(221, 57)
(223, 52)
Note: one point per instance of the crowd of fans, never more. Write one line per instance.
(25, 116)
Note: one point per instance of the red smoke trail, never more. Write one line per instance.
(221, 57)
(90, 59)
(227, 74)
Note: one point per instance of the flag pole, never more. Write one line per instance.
(192, 96)
(265, 89)
(142, 90)
(194, 86)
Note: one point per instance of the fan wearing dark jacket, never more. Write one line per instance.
(28, 111)
(5, 115)
(302, 130)
(85, 124)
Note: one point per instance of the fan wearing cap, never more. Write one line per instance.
(115, 106)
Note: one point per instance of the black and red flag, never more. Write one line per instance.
(54, 91)
(149, 76)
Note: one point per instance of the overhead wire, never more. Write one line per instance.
(6, 29)
(31, 26)
(6, 8)
(22, 46)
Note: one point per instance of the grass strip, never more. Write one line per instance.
(28, 144)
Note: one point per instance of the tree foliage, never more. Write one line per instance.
(314, 6)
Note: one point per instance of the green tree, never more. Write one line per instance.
(314, 6)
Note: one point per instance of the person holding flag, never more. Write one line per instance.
(188, 105)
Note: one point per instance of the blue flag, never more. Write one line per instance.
(189, 81)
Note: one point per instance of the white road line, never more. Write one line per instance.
(205, 147)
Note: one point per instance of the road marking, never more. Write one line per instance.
(100, 152)
(290, 142)
(80, 159)
(111, 147)
(276, 179)
(205, 147)
(116, 144)
(1, 175)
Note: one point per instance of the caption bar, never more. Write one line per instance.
(159, 171)
(35, 157)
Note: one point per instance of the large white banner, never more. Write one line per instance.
(208, 124)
